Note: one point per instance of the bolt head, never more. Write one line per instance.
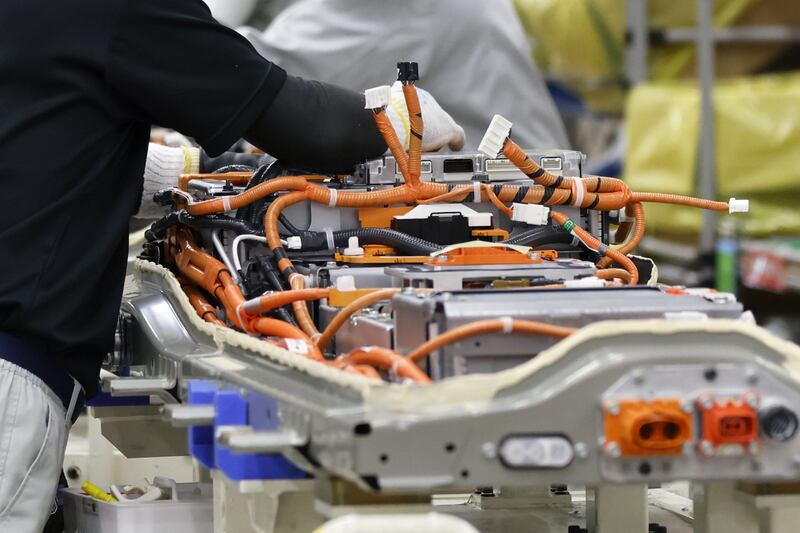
(753, 448)
(612, 449)
(707, 402)
(581, 450)
(442, 259)
(707, 449)
(752, 400)
(489, 450)
(612, 408)
(687, 407)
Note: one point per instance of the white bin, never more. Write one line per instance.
(191, 512)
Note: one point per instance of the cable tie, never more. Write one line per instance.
(329, 238)
(333, 197)
(476, 191)
(239, 316)
(508, 324)
(579, 189)
(250, 306)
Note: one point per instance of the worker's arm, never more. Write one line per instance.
(317, 127)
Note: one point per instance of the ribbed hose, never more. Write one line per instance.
(250, 212)
(159, 228)
(402, 242)
(541, 236)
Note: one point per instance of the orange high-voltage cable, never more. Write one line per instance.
(213, 277)
(415, 134)
(614, 273)
(595, 244)
(483, 327)
(349, 310)
(388, 360)
(204, 309)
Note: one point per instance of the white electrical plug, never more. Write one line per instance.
(584, 283)
(533, 214)
(495, 137)
(294, 243)
(346, 283)
(378, 97)
(353, 248)
(738, 206)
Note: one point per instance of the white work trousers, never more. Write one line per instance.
(33, 437)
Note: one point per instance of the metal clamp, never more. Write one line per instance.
(188, 415)
(244, 440)
(140, 386)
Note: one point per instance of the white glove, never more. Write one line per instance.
(440, 128)
(163, 168)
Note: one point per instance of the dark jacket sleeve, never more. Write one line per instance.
(317, 127)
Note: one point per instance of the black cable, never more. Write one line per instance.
(402, 242)
(234, 168)
(159, 228)
(541, 235)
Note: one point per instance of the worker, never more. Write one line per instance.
(82, 82)
(473, 55)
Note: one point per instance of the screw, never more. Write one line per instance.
(752, 400)
(753, 448)
(752, 376)
(638, 377)
(612, 408)
(73, 472)
(687, 407)
(612, 450)
(707, 402)
(706, 448)
(489, 450)
(442, 259)
(581, 450)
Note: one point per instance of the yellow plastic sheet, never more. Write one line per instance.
(582, 42)
(757, 150)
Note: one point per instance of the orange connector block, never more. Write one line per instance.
(642, 428)
(491, 255)
(730, 422)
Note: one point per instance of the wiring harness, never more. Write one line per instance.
(281, 314)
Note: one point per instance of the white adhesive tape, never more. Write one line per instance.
(239, 316)
(579, 191)
(226, 203)
(333, 197)
(329, 238)
(476, 191)
(508, 324)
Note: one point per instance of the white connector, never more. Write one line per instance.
(495, 137)
(353, 248)
(738, 206)
(294, 243)
(378, 97)
(346, 283)
(533, 214)
(584, 283)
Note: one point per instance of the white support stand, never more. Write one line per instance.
(282, 506)
(617, 509)
(91, 457)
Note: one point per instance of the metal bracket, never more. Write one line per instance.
(140, 386)
(181, 416)
(243, 440)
